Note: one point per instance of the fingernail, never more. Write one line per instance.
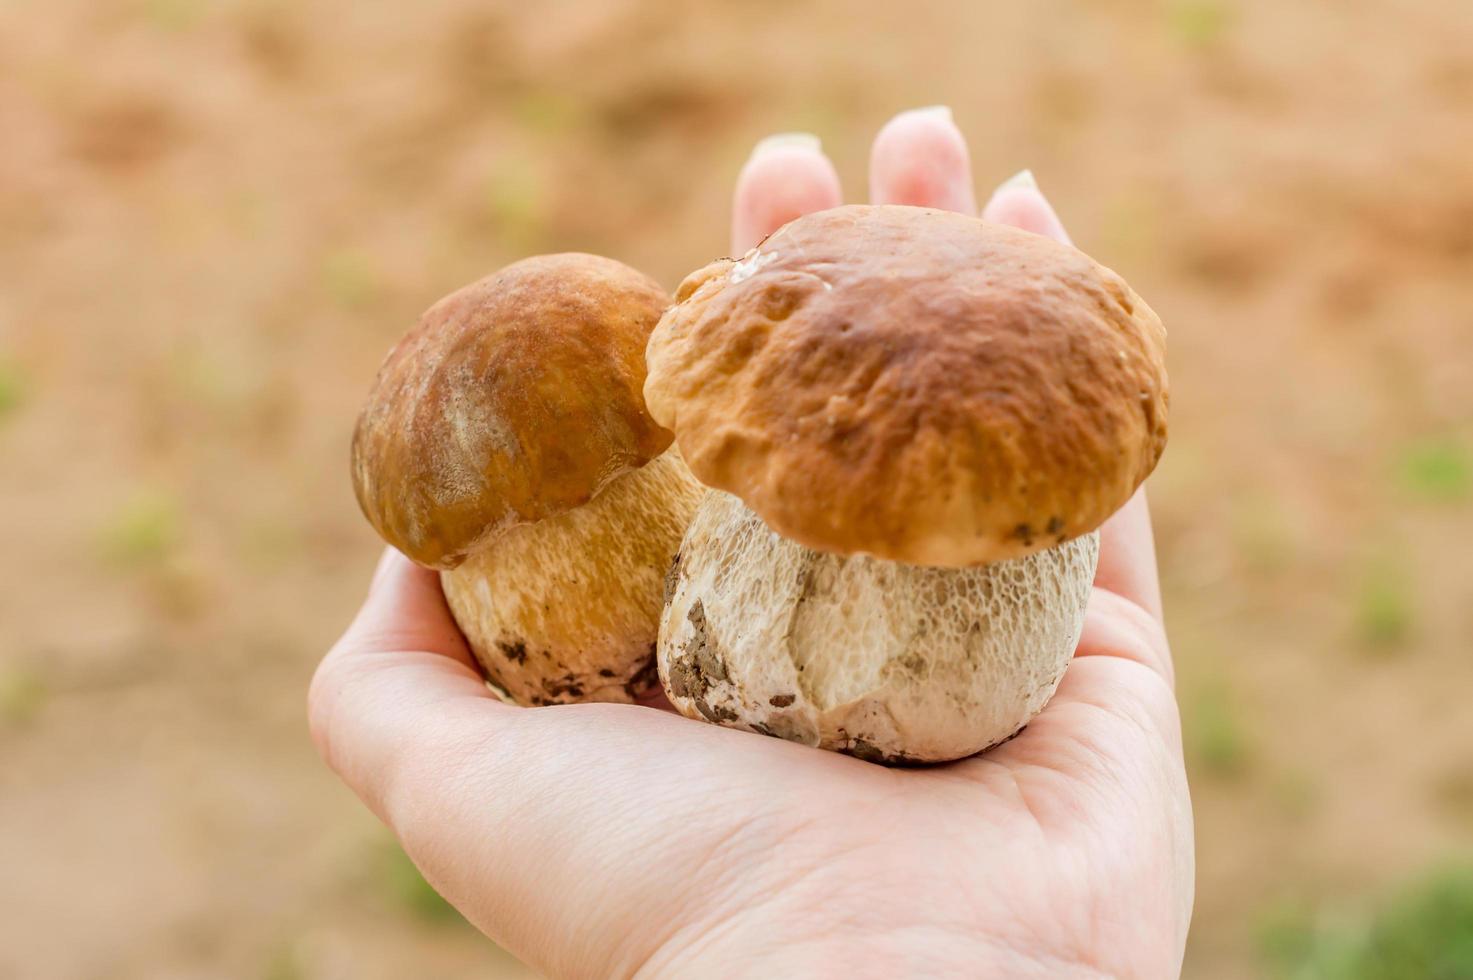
(1023, 178)
(785, 141)
(931, 111)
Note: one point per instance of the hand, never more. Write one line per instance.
(611, 840)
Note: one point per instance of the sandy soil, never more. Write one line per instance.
(215, 218)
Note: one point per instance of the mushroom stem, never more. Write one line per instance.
(883, 660)
(566, 609)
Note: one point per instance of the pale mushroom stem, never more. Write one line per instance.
(890, 662)
(567, 609)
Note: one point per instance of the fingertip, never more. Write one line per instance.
(391, 564)
(396, 571)
(786, 177)
(1019, 202)
(920, 158)
(1127, 564)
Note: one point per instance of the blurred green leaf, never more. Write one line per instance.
(547, 111)
(12, 388)
(350, 278)
(1384, 614)
(1423, 932)
(22, 695)
(284, 964)
(145, 529)
(408, 888)
(1438, 469)
(1262, 533)
(1200, 23)
(1296, 793)
(1286, 935)
(199, 377)
(1214, 732)
(173, 15)
(515, 201)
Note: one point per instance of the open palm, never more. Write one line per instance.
(614, 840)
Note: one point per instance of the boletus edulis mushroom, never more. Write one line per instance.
(505, 442)
(914, 421)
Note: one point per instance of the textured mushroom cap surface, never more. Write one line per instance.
(514, 399)
(913, 384)
(882, 660)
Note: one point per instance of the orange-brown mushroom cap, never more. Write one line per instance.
(913, 384)
(514, 399)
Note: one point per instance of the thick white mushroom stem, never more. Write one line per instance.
(566, 609)
(889, 662)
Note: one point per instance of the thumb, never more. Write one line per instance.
(390, 681)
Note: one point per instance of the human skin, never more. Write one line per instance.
(606, 840)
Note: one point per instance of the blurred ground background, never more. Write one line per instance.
(216, 217)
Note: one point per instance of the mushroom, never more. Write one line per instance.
(506, 443)
(914, 422)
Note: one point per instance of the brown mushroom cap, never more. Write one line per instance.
(913, 384)
(514, 399)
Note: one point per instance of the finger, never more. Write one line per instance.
(1127, 565)
(920, 158)
(406, 610)
(786, 177)
(1117, 627)
(384, 685)
(1019, 202)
